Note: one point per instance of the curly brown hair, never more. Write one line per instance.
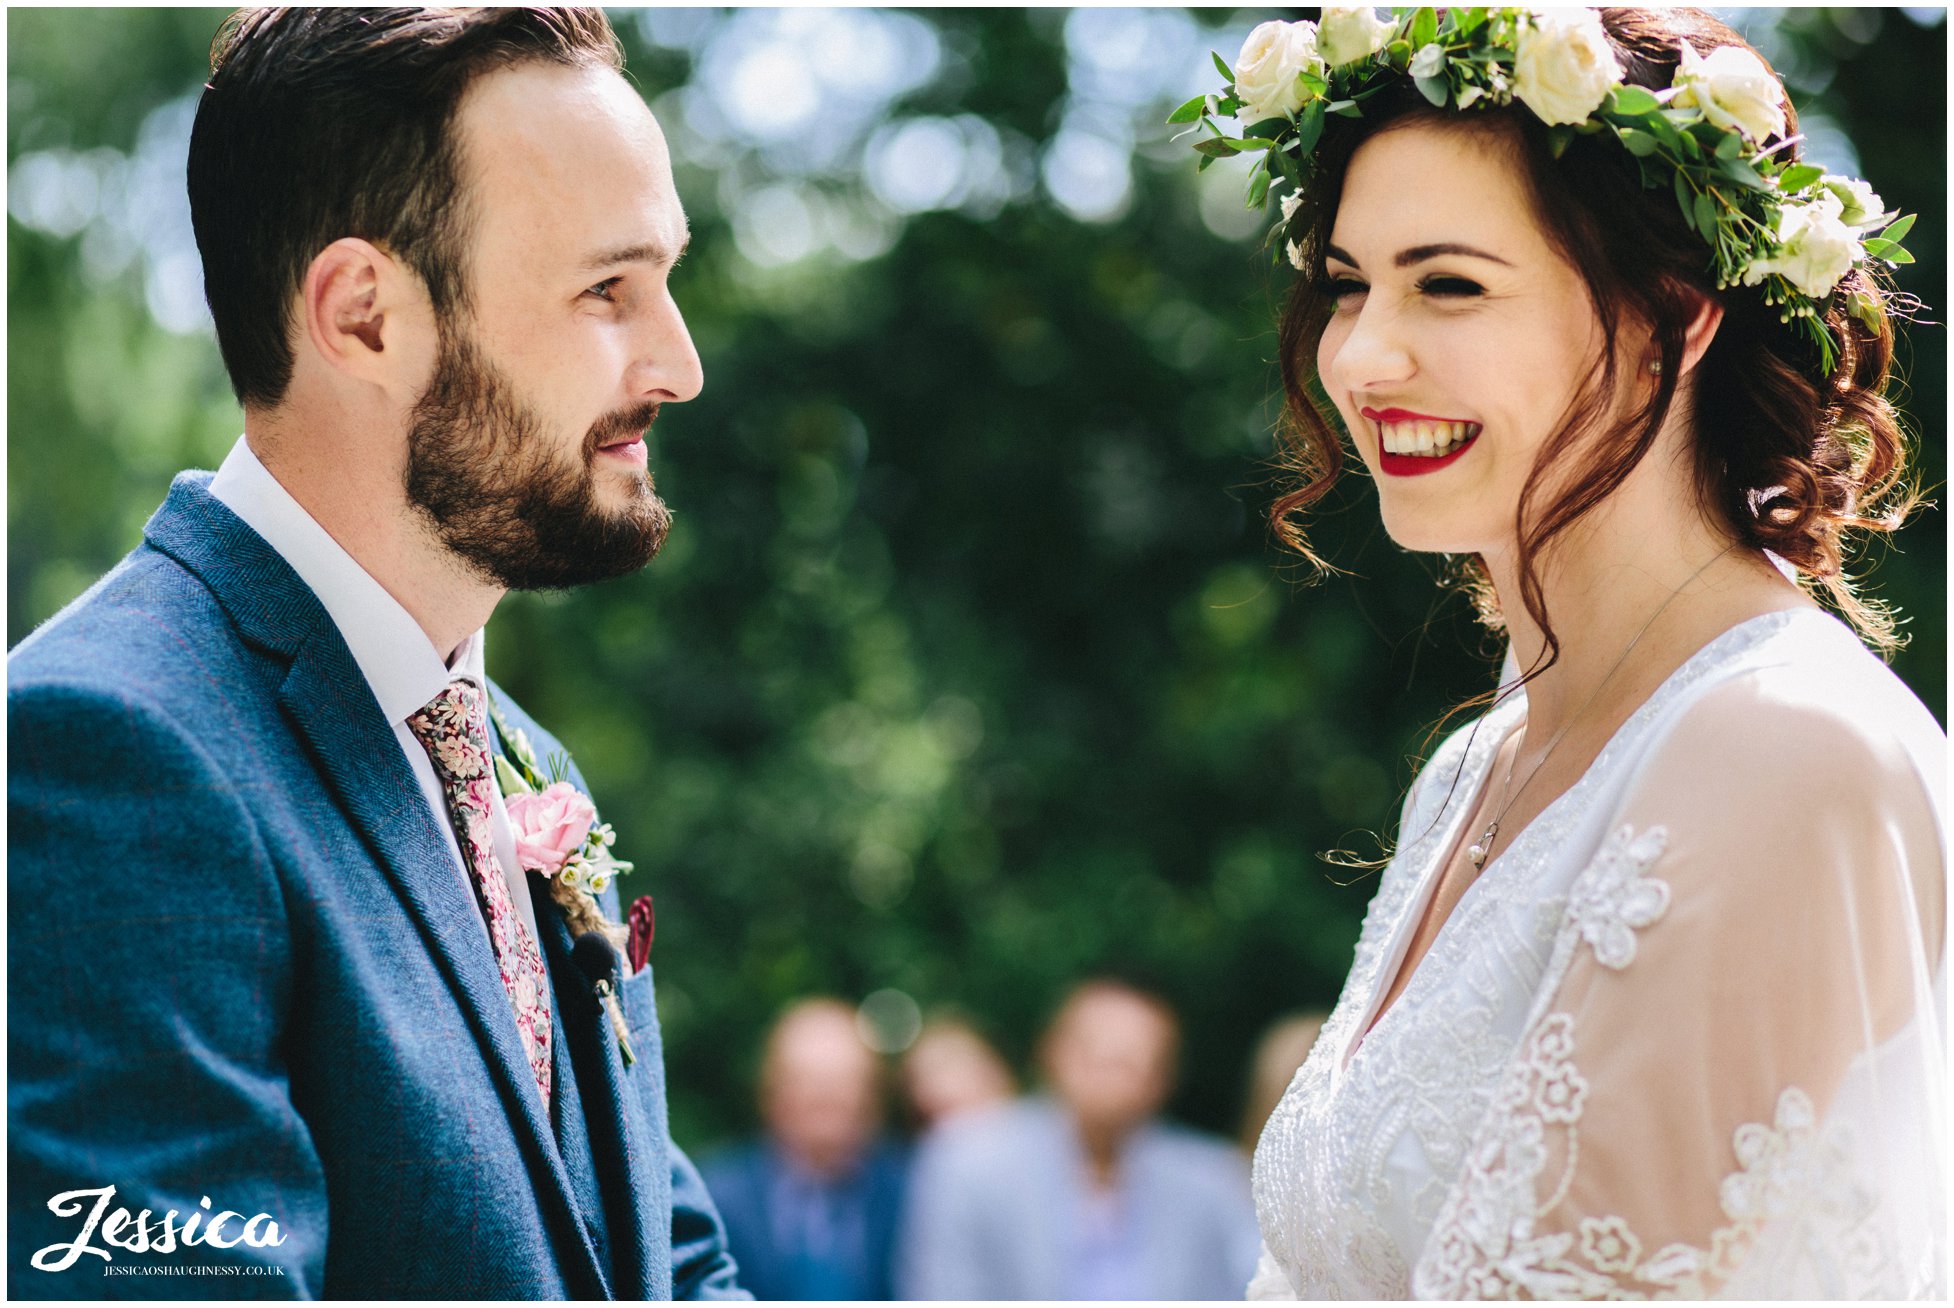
(1789, 457)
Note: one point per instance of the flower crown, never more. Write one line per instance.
(1716, 134)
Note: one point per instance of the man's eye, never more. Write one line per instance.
(604, 290)
(1450, 286)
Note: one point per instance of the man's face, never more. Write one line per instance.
(526, 451)
(819, 1092)
(1110, 1059)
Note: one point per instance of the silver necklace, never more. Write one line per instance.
(1482, 849)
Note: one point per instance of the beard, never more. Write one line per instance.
(505, 499)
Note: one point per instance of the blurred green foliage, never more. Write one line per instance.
(970, 665)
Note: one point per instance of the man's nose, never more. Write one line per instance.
(667, 366)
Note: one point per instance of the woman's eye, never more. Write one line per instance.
(1450, 286)
(1341, 288)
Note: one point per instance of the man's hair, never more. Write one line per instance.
(319, 124)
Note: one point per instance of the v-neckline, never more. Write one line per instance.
(1413, 917)
(1406, 927)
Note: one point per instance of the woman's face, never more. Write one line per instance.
(1459, 338)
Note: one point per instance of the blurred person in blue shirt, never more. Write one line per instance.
(811, 1206)
(1083, 1192)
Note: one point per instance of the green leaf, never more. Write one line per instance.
(1798, 176)
(1897, 255)
(1246, 144)
(1663, 130)
(1309, 128)
(1218, 147)
(1635, 101)
(1434, 89)
(1640, 144)
(1285, 164)
(1348, 108)
(1558, 139)
(1684, 199)
(1226, 71)
(1741, 172)
(1258, 187)
(1730, 146)
(1898, 230)
(1877, 246)
(1189, 113)
(1204, 163)
(1424, 30)
(509, 779)
(1706, 212)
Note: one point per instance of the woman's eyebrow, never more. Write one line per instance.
(1420, 253)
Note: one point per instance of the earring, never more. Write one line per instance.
(1655, 367)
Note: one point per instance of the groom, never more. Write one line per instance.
(285, 1007)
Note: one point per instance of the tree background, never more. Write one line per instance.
(970, 665)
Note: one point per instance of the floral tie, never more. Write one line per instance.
(453, 728)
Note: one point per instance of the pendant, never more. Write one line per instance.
(1477, 853)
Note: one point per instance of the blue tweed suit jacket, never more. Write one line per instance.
(240, 965)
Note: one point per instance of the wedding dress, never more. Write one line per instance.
(1682, 1037)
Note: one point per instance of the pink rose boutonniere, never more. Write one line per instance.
(557, 832)
(551, 826)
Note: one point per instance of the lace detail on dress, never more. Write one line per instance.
(1486, 1246)
(1614, 900)
(1336, 1197)
(1355, 1167)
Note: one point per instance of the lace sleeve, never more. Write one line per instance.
(1269, 1282)
(1733, 1082)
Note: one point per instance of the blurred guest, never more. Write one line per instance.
(811, 1207)
(1281, 1051)
(950, 1070)
(1082, 1192)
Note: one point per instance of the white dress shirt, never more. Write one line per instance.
(400, 663)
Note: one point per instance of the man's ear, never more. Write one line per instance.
(359, 305)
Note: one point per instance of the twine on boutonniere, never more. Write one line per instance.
(558, 834)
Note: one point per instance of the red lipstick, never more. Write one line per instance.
(1414, 465)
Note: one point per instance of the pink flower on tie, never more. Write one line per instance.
(459, 757)
(550, 826)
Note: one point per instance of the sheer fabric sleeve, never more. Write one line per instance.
(1732, 1083)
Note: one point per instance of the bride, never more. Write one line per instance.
(1649, 1000)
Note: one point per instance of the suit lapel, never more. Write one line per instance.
(326, 698)
(620, 1152)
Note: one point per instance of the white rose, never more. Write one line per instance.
(1295, 253)
(1860, 205)
(1265, 73)
(1347, 35)
(1733, 88)
(1815, 248)
(1290, 203)
(1563, 66)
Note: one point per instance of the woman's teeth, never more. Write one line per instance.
(1428, 438)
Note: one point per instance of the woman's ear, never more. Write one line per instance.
(1702, 329)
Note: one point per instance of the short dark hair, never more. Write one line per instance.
(318, 124)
